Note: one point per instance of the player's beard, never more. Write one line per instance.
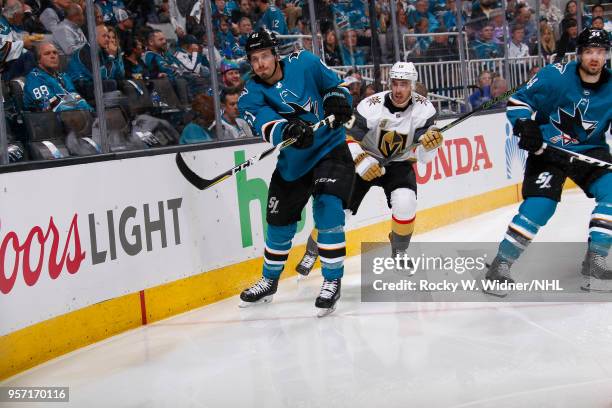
(591, 70)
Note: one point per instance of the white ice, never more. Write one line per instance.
(363, 355)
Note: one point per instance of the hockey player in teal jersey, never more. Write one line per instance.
(566, 106)
(281, 101)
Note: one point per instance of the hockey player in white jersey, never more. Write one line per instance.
(380, 137)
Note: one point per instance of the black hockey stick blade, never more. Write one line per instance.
(580, 157)
(202, 183)
(197, 181)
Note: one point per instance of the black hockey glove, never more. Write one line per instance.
(297, 128)
(530, 135)
(336, 103)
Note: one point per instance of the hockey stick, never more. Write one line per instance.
(203, 184)
(580, 157)
(483, 107)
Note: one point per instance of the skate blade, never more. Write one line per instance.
(590, 284)
(325, 312)
(244, 305)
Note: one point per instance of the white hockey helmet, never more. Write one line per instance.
(404, 70)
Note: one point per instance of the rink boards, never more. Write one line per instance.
(92, 250)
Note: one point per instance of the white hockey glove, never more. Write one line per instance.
(432, 139)
(368, 167)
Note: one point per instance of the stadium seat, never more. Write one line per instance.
(78, 130)
(46, 139)
(118, 129)
(139, 99)
(16, 86)
(165, 90)
(182, 91)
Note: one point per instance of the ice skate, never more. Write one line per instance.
(261, 292)
(597, 276)
(329, 295)
(306, 264)
(499, 272)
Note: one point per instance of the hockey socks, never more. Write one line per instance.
(534, 213)
(329, 220)
(278, 244)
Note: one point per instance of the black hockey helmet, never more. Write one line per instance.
(592, 37)
(261, 40)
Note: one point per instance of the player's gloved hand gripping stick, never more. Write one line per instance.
(202, 183)
(531, 139)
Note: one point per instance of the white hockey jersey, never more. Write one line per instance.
(387, 132)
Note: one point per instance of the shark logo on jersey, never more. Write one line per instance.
(572, 126)
(294, 55)
(304, 111)
(391, 142)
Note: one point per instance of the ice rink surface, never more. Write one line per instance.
(363, 355)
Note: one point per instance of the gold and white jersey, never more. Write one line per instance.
(386, 132)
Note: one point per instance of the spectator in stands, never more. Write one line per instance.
(351, 55)
(571, 13)
(481, 14)
(497, 21)
(225, 41)
(47, 89)
(551, 13)
(293, 13)
(369, 90)
(516, 47)
(108, 8)
(15, 59)
(68, 35)
(163, 13)
(270, 18)
(54, 14)
(483, 93)
(420, 12)
(499, 86)
(114, 48)
(98, 15)
(547, 39)
(597, 23)
(332, 49)
(485, 47)
(567, 42)
(125, 25)
(422, 27)
(158, 61)
(353, 82)
(132, 59)
(440, 50)
(449, 17)
(523, 17)
(598, 12)
(31, 22)
(80, 67)
(234, 127)
(223, 8)
(230, 75)
(200, 129)
(245, 10)
(189, 57)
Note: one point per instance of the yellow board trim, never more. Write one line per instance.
(33, 345)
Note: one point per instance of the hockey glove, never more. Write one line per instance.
(336, 103)
(530, 135)
(368, 167)
(301, 131)
(432, 139)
